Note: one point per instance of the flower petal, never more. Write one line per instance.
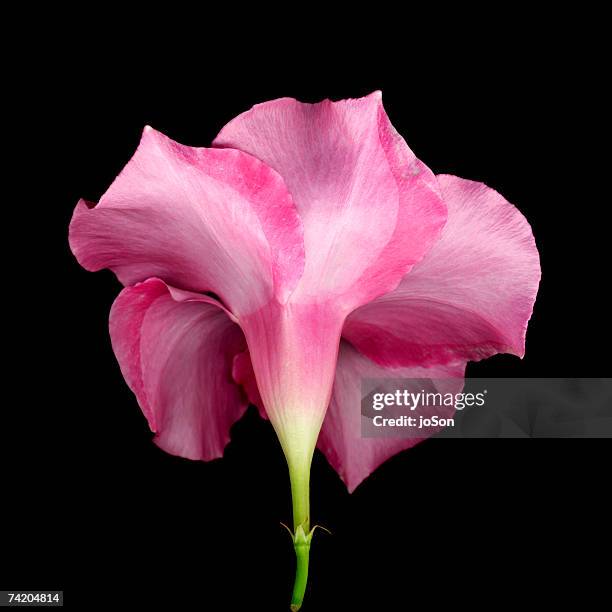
(176, 351)
(469, 298)
(294, 348)
(355, 457)
(370, 208)
(243, 375)
(200, 219)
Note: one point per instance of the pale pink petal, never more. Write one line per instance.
(469, 298)
(293, 348)
(370, 208)
(354, 457)
(200, 219)
(176, 351)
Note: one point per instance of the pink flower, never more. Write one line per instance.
(307, 249)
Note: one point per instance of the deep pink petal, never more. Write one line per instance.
(370, 208)
(355, 457)
(469, 298)
(200, 219)
(176, 352)
(243, 375)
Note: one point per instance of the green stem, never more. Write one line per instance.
(302, 551)
(299, 473)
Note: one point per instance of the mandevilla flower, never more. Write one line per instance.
(307, 249)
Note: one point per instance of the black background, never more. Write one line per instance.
(92, 507)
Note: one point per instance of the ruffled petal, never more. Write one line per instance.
(176, 351)
(200, 219)
(370, 208)
(469, 298)
(355, 457)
